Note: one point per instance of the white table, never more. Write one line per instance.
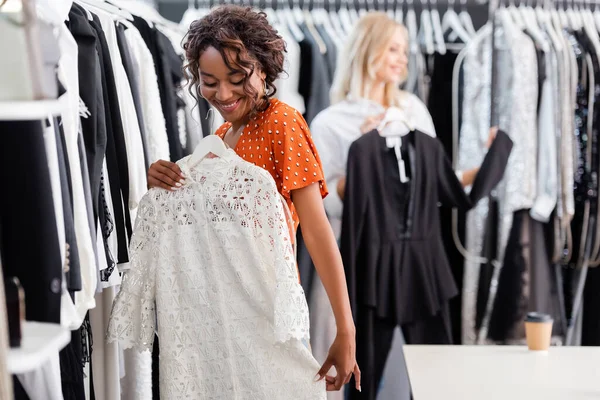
(503, 373)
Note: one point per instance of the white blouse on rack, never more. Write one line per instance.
(213, 270)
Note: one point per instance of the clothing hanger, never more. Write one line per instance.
(345, 19)
(465, 18)
(546, 21)
(571, 21)
(596, 14)
(191, 11)
(451, 22)
(396, 116)
(271, 15)
(297, 11)
(389, 9)
(394, 139)
(308, 19)
(533, 28)
(335, 19)
(438, 34)
(411, 26)
(325, 21)
(286, 17)
(362, 8)
(210, 144)
(516, 16)
(353, 13)
(88, 13)
(590, 28)
(426, 31)
(105, 7)
(399, 12)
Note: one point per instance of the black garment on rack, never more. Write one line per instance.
(134, 85)
(73, 273)
(526, 283)
(93, 126)
(590, 329)
(71, 368)
(313, 82)
(582, 170)
(331, 54)
(394, 257)
(29, 240)
(116, 151)
(490, 253)
(163, 55)
(440, 104)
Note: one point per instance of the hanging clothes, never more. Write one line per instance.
(314, 83)
(28, 221)
(440, 107)
(169, 73)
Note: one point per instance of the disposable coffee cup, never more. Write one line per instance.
(538, 330)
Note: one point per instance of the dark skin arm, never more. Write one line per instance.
(322, 246)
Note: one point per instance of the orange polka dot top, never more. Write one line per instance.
(278, 140)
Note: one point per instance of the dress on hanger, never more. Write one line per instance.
(213, 263)
(394, 257)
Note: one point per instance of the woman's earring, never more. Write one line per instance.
(266, 88)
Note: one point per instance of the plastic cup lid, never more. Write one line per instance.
(538, 317)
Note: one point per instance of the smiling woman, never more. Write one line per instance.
(234, 56)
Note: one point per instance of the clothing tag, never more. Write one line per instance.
(396, 144)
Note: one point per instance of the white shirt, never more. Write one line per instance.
(213, 270)
(68, 74)
(287, 83)
(335, 128)
(133, 137)
(157, 141)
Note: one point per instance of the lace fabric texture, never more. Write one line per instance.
(213, 270)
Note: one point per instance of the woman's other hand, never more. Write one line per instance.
(491, 137)
(371, 123)
(342, 356)
(166, 175)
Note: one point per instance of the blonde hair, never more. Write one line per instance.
(358, 65)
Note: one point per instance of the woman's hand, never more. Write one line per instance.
(371, 123)
(491, 137)
(166, 175)
(342, 356)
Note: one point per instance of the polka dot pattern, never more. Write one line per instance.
(278, 140)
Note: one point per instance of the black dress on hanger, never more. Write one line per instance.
(391, 244)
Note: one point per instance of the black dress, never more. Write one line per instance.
(391, 244)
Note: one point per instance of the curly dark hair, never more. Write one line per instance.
(253, 41)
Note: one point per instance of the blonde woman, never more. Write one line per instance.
(372, 67)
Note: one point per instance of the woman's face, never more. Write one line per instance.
(224, 88)
(394, 60)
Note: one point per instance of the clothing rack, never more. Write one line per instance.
(174, 9)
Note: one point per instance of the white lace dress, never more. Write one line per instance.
(213, 271)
